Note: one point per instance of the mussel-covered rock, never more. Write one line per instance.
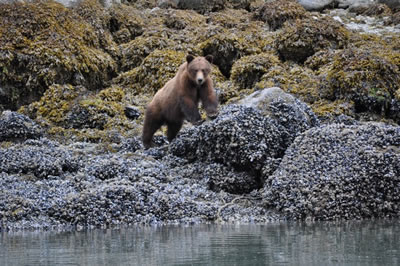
(240, 137)
(339, 172)
(17, 127)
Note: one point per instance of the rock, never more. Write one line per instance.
(291, 113)
(393, 4)
(351, 3)
(369, 80)
(17, 127)
(318, 5)
(277, 12)
(305, 37)
(240, 137)
(339, 172)
(37, 158)
(200, 6)
(51, 45)
(132, 112)
(248, 70)
(225, 48)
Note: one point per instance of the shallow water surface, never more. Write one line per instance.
(340, 243)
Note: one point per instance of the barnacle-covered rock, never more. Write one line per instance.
(248, 70)
(15, 126)
(240, 137)
(291, 113)
(37, 158)
(275, 13)
(303, 38)
(339, 172)
(42, 43)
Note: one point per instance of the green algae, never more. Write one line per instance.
(248, 70)
(304, 37)
(276, 13)
(42, 43)
(155, 70)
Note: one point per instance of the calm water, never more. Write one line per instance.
(345, 243)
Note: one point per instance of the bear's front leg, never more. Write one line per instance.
(209, 100)
(190, 110)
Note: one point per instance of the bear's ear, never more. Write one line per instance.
(209, 58)
(189, 58)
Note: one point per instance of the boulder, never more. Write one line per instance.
(318, 5)
(17, 127)
(339, 172)
(393, 4)
(291, 113)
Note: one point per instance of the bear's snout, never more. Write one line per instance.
(199, 77)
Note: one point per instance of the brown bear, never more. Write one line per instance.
(179, 99)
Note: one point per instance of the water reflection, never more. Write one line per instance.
(344, 243)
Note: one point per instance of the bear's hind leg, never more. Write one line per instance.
(173, 129)
(150, 127)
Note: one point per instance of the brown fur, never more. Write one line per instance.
(179, 99)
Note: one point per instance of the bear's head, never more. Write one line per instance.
(199, 68)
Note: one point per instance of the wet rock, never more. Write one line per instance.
(317, 5)
(339, 172)
(277, 12)
(303, 38)
(132, 112)
(17, 127)
(350, 3)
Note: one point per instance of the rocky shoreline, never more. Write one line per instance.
(308, 126)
